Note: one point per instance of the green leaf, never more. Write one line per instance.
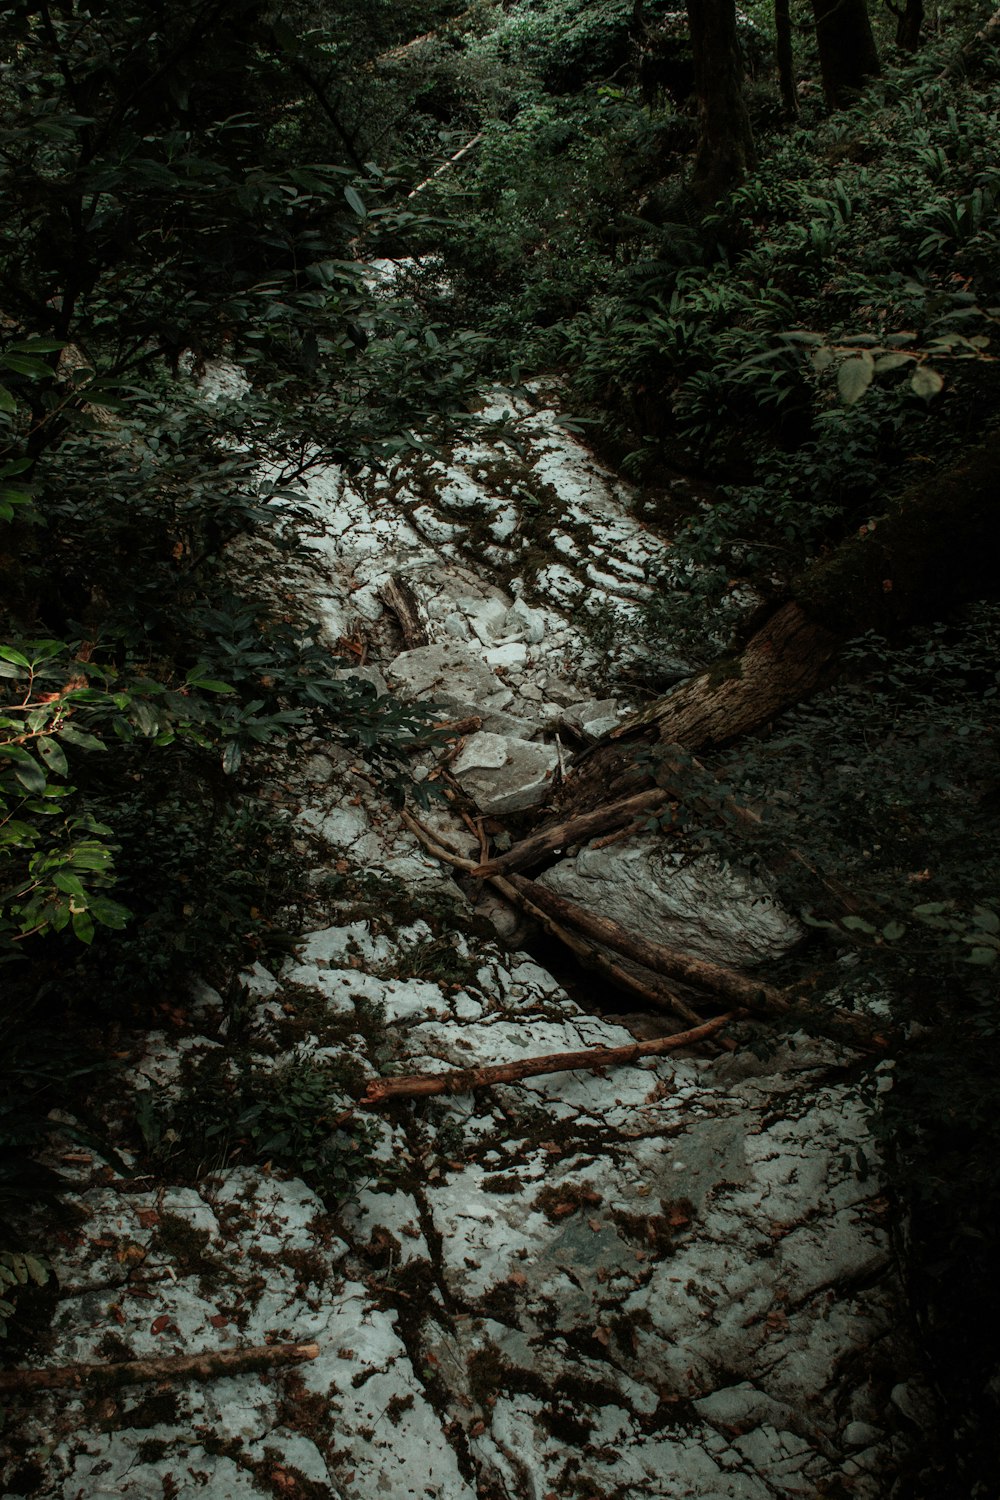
(892, 362)
(74, 736)
(69, 884)
(986, 920)
(926, 382)
(858, 924)
(83, 926)
(355, 201)
(231, 757)
(34, 369)
(893, 931)
(54, 757)
(10, 653)
(854, 377)
(7, 402)
(983, 956)
(210, 685)
(30, 774)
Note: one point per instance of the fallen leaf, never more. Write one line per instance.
(160, 1323)
(595, 1225)
(147, 1217)
(219, 1320)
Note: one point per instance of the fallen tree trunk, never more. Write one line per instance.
(934, 549)
(592, 1059)
(782, 663)
(647, 987)
(728, 984)
(208, 1365)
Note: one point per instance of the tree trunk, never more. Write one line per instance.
(909, 20)
(848, 57)
(725, 150)
(786, 58)
(782, 663)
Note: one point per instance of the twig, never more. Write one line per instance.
(464, 1080)
(445, 165)
(573, 831)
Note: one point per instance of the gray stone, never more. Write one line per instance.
(700, 906)
(594, 717)
(502, 774)
(455, 677)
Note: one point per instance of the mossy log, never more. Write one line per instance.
(936, 548)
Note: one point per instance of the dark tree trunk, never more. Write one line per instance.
(725, 146)
(786, 58)
(848, 57)
(911, 22)
(935, 549)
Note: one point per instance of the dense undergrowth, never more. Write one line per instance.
(807, 349)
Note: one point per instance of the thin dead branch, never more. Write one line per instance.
(592, 1059)
(576, 830)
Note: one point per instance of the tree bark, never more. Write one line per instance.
(171, 1367)
(935, 549)
(725, 151)
(909, 20)
(782, 663)
(848, 57)
(786, 58)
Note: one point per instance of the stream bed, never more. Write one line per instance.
(674, 1279)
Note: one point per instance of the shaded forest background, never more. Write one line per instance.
(761, 254)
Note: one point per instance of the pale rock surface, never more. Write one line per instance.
(695, 905)
(670, 1280)
(502, 774)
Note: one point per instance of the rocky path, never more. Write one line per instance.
(673, 1280)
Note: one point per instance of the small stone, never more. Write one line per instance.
(860, 1435)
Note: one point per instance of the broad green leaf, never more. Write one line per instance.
(7, 402)
(983, 956)
(54, 756)
(83, 926)
(858, 924)
(80, 737)
(892, 362)
(231, 757)
(893, 931)
(21, 364)
(30, 774)
(10, 653)
(355, 201)
(986, 920)
(926, 382)
(854, 377)
(69, 884)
